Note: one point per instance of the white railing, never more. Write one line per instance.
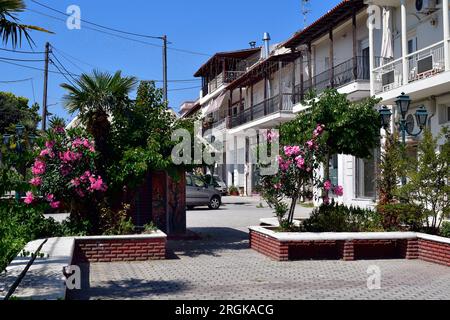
(426, 62)
(423, 63)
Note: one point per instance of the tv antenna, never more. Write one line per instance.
(306, 10)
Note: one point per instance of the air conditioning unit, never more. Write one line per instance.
(426, 6)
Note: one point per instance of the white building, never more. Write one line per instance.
(408, 51)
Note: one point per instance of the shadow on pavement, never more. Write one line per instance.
(121, 289)
(212, 242)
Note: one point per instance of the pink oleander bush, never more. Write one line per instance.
(298, 169)
(64, 173)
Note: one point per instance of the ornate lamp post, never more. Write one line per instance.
(406, 124)
(18, 138)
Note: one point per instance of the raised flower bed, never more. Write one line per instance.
(285, 246)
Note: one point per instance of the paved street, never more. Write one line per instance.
(221, 266)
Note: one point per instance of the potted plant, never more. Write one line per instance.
(233, 191)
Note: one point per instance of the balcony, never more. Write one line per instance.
(221, 79)
(354, 69)
(422, 64)
(278, 104)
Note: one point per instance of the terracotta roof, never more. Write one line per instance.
(237, 54)
(341, 12)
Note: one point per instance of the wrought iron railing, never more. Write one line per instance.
(264, 108)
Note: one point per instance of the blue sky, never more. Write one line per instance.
(203, 26)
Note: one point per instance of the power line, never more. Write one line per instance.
(123, 37)
(98, 25)
(70, 81)
(18, 51)
(181, 89)
(65, 69)
(21, 60)
(15, 81)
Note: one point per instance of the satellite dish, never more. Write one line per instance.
(419, 5)
(410, 123)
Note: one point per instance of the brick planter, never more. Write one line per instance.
(120, 248)
(284, 246)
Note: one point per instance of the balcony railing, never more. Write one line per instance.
(354, 69)
(421, 64)
(264, 108)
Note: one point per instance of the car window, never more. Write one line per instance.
(188, 181)
(198, 182)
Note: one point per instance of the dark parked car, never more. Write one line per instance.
(199, 193)
(217, 183)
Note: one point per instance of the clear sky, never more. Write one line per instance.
(202, 26)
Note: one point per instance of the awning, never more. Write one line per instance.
(216, 103)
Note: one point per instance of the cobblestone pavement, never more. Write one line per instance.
(221, 266)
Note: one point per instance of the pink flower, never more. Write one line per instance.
(55, 204)
(70, 156)
(277, 186)
(38, 168)
(290, 151)
(339, 191)
(47, 152)
(310, 144)
(59, 130)
(75, 182)
(96, 184)
(326, 200)
(272, 135)
(284, 165)
(300, 162)
(327, 185)
(49, 144)
(36, 181)
(29, 198)
(50, 197)
(319, 130)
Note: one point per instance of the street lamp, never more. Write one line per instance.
(403, 103)
(18, 138)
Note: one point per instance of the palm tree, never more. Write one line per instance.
(10, 28)
(95, 97)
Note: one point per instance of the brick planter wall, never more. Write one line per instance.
(284, 247)
(120, 248)
(433, 251)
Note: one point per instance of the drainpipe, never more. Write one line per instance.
(404, 43)
(266, 53)
(433, 108)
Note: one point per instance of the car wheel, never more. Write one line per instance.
(214, 203)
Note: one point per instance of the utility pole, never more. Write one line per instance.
(164, 38)
(44, 102)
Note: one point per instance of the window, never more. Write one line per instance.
(334, 170)
(188, 181)
(365, 177)
(199, 183)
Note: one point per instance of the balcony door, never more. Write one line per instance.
(364, 64)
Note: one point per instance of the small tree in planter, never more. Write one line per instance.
(298, 168)
(428, 179)
(64, 174)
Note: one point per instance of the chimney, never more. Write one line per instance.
(266, 40)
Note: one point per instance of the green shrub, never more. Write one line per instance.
(340, 218)
(445, 229)
(401, 217)
(116, 222)
(233, 189)
(20, 224)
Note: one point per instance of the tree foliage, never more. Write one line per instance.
(15, 110)
(351, 128)
(428, 179)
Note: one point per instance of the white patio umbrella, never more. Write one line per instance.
(387, 48)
